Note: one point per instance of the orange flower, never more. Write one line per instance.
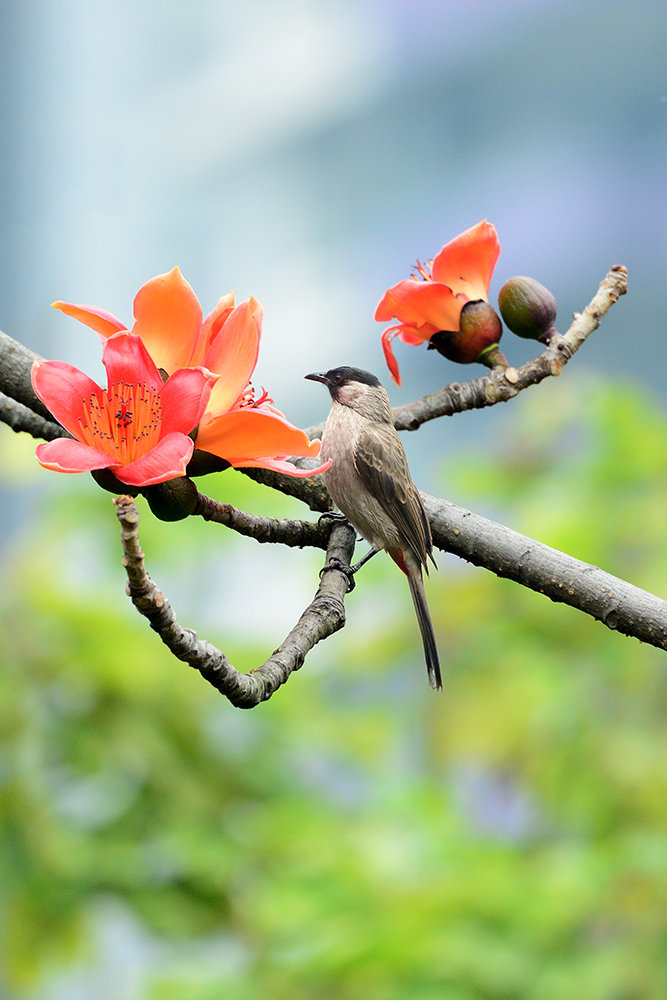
(236, 426)
(432, 299)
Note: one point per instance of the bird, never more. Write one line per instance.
(369, 481)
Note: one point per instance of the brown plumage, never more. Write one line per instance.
(370, 482)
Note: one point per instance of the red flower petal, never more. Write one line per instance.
(63, 388)
(168, 319)
(389, 356)
(184, 397)
(167, 460)
(126, 360)
(425, 305)
(281, 465)
(66, 455)
(233, 353)
(252, 434)
(105, 323)
(466, 263)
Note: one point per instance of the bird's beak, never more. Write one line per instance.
(317, 377)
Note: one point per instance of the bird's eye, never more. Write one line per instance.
(338, 378)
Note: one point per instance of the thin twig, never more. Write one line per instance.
(324, 616)
(264, 529)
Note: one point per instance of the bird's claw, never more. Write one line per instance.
(333, 515)
(342, 567)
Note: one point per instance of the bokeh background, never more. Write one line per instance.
(356, 836)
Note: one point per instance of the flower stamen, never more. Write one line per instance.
(248, 398)
(423, 271)
(127, 417)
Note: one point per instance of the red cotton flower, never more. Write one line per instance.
(433, 298)
(236, 426)
(137, 427)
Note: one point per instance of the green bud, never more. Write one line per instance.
(475, 340)
(528, 308)
(172, 501)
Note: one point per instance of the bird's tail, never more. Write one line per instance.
(413, 571)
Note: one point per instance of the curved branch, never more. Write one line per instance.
(324, 616)
(619, 605)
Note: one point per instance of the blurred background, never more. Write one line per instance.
(356, 836)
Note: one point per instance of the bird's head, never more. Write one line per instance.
(356, 388)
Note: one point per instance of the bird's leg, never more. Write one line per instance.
(369, 555)
(349, 571)
(337, 517)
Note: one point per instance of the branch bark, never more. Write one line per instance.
(616, 603)
(324, 616)
(15, 375)
(21, 418)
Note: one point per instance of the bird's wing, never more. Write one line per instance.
(381, 463)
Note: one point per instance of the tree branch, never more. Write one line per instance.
(324, 616)
(20, 418)
(15, 376)
(619, 605)
(264, 529)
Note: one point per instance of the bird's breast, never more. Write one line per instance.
(347, 489)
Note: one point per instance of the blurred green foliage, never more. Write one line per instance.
(357, 836)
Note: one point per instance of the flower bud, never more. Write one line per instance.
(173, 500)
(475, 340)
(528, 308)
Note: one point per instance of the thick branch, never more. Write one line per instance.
(324, 616)
(614, 602)
(20, 418)
(15, 375)
(311, 491)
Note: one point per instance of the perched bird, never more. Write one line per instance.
(370, 482)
